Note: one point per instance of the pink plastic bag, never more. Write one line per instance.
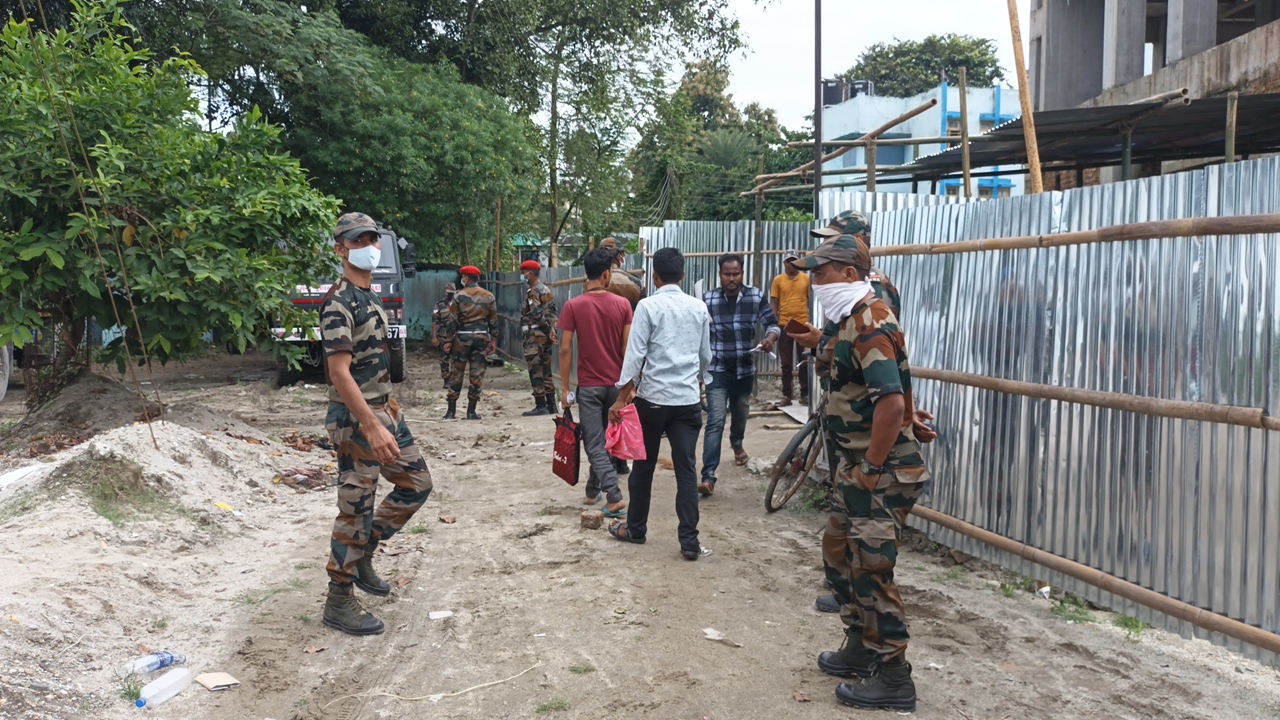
(625, 440)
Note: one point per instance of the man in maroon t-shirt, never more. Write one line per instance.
(601, 322)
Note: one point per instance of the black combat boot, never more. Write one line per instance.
(540, 409)
(452, 412)
(892, 689)
(366, 577)
(343, 612)
(471, 410)
(851, 660)
(828, 604)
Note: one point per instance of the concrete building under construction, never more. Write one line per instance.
(1113, 52)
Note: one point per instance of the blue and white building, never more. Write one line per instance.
(987, 108)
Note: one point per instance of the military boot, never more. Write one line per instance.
(471, 410)
(853, 659)
(452, 412)
(343, 612)
(366, 577)
(892, 689)
(540, 409)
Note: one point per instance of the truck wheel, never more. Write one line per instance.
(397, 359)
(286, 373)
(6, 368)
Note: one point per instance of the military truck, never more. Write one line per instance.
(398, 261)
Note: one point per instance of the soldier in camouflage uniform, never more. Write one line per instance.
(367, 429)
(881, 473)
(852, 222)
(471, 335)
(538, 328)
(438, 319)
(621, 283)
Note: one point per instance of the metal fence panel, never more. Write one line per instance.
(1189, 509)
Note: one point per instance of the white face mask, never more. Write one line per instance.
(838, 299)
(365, 258)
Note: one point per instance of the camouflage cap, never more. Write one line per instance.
(789, 255)
(353, 224)
(847, 249)
(849, 222)
(449, 288)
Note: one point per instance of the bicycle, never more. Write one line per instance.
(799, 459)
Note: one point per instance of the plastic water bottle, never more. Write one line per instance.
(164, 687)
(149, 663)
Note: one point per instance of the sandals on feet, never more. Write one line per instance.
(740, 457)
(614, 514)
(620, 532)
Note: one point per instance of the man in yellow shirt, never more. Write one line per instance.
(790, 300)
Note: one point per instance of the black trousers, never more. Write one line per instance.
(682, 425)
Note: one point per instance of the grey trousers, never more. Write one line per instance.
(593, 411)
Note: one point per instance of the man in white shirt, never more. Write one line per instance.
(671, 343)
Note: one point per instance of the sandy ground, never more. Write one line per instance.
(603, 629)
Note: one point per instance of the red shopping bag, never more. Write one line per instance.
(567, 455)
(625, 440)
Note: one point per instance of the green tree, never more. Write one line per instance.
(426, 153)
(178, 230)
(910, 67)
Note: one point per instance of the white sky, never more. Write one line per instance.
(777, 68)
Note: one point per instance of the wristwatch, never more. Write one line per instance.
(869, 469)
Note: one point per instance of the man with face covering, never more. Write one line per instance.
(366, 427)
(880, 477)
(538, 329)
(439, 317)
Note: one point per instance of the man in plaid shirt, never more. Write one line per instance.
(736, 310)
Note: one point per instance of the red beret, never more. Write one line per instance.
(470, 270)
(530, 265)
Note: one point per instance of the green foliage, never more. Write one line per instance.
(582, 668)
(1132, 626)
(1072, 609)
(427, 154)
(1009, 590)
(910, 67)
(700, 150)
(195, 230)
(553, 705)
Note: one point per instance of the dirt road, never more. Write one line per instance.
(602, 629)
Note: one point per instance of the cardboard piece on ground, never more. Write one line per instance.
(217, 681)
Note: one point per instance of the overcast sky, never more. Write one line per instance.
(777, 69)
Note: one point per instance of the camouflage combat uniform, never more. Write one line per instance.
(439, 316)
(868, 362)
(353, 321)
(537, 320)
(471, 324)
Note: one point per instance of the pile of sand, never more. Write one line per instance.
(126, 542)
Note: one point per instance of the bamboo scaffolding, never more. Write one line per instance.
(1135, 593)
(964, 131)
(1024, 94)
(837, 153)
(1182, 409)
(885, 142)
(1155, 230)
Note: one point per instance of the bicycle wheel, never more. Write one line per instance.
(793, 466)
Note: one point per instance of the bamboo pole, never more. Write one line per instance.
(1163, 97)
(1109, 583)
(837, 153)
(964, 131)
(870, 153)
(497, 254)
(1183, 409)
(1158, 229)
(883, 169)
(718, 254)
(886, 142)
(1024, 93)
(1233, 102)
(759, 231)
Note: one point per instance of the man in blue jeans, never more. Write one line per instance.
(736, 311)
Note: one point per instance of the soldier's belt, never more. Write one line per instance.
(469, 333)
(378, 401)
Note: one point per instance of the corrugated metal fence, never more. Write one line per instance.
(1189, 509)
